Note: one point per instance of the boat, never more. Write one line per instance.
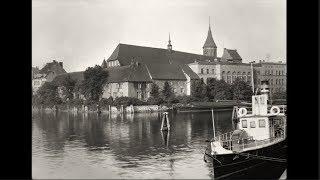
(258, 139)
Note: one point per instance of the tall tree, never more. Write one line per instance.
(48, 94)
(219, 90)
(199, 90)
(167, 92)
(94, 80)
(154, 92)
(69, 84)
(241, 90)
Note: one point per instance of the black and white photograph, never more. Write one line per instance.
(159, 89)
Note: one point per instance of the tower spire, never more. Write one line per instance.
(210, 47)
(169, 46)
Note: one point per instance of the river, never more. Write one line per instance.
(88, 146)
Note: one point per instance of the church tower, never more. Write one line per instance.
(209, 47)
(169, 46)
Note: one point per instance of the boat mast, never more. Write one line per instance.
(214, 130)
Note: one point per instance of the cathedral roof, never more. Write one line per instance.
(209, 41)
(125, 53)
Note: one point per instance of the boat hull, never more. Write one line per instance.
(237, 165)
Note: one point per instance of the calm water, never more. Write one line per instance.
(76, 146)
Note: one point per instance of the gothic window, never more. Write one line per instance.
(212, 71)
(207, 71)
(201, 70)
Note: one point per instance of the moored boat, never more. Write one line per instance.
(258, 138)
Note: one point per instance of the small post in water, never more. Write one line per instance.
(165, 123)
(214, 130)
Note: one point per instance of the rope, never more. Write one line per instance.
(263, 157)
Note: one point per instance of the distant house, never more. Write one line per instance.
(127, 81)
(35, 70)
(135, 80)
(46, 74)
(231, 55)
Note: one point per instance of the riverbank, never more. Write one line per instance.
(178, 107)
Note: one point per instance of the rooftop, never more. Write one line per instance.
(125, 53)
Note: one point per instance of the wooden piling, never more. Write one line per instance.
(165, 123)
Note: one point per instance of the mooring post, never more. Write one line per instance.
(165, 123)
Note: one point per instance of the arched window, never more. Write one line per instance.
(234, 76)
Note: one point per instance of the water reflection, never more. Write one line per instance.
(122, 146)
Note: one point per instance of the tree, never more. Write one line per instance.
(94, 80)
(199, 90)
(219, 90)
(154, 92)
(241, 90)
(69, 84)
(167, 92)
(48, 94)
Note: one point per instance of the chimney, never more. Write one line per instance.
(61, 64)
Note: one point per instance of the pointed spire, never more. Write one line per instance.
(169, 46)
(209, 41)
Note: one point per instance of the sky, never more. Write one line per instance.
(81, 33)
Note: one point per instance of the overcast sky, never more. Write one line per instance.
(82, 32)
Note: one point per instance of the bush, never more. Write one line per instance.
(155, 100)
(106, 102)
(127, 101)
(186, 99)
(76, 102)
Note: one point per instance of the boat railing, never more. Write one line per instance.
(282, 108)
(244, 143)
(224, 136)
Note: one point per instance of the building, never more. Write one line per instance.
(181, 68)
(35, 70)
(222, 70)
(135, 80)
(274, 73)
(127, 81)
(46, 74)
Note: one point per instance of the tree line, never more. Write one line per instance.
(91, 88)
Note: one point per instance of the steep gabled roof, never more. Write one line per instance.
(125, 53)
(209, 41)
(130, 73)
(54, 66)
(231, 54)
